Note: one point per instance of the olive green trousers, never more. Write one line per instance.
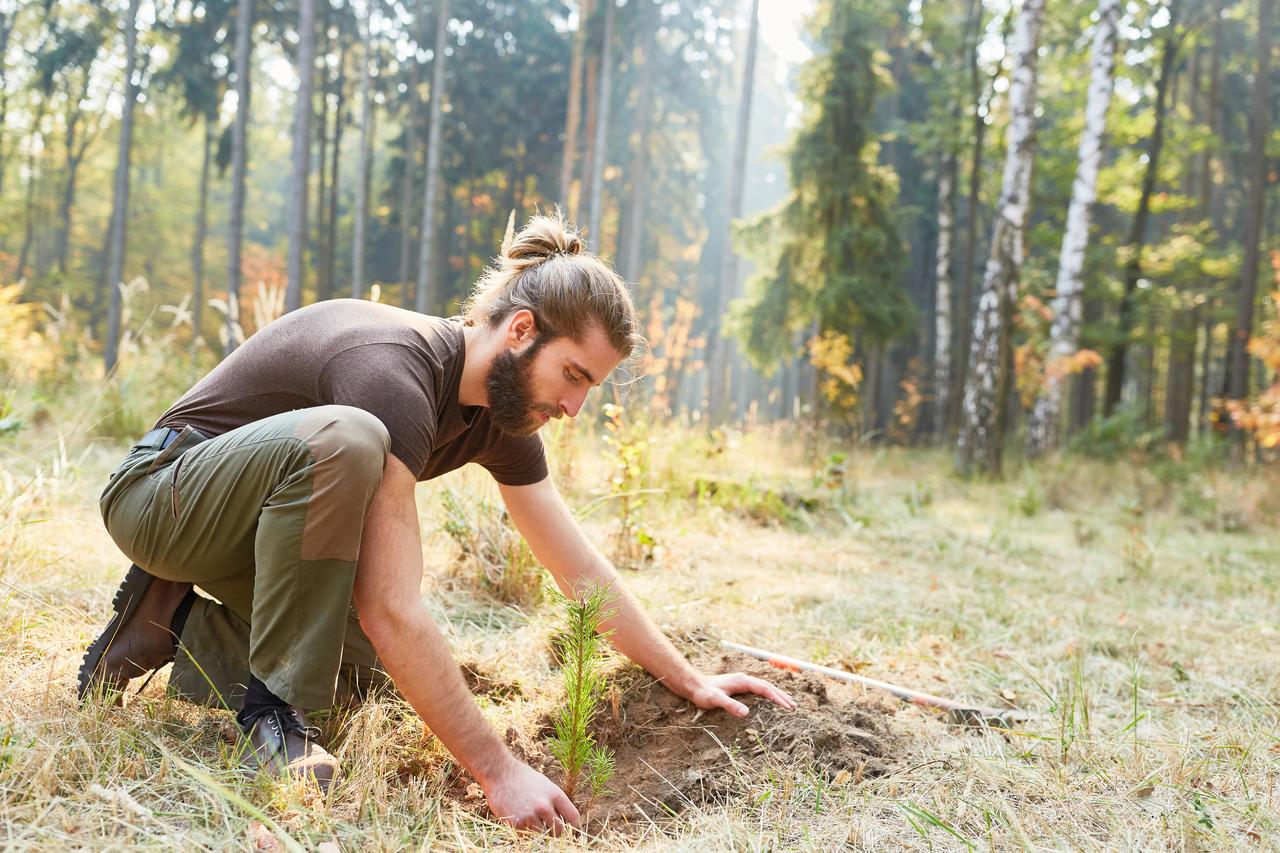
(266, 521)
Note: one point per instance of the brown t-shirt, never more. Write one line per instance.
(402, 367)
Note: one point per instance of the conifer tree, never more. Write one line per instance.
(830, 255)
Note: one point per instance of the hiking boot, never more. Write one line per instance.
(139, 639)
(281, 742)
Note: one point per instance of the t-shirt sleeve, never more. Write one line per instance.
(516, 461)
(366, 377)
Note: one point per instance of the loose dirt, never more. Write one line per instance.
(672, 756)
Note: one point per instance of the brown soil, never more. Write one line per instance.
(671, 756)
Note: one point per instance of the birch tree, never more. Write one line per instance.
(120, 195)
(942, 296)
(986, 388)
(1064, 334)
(301, 153)
(426, 299)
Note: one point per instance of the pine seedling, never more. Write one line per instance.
(581, 652)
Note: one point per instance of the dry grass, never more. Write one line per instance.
(1134, 615)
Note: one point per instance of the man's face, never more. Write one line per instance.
(529, 385)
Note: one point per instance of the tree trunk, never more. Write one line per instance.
(29, 219)
(592, 86)
(1044, 427)
(595, 211)
(427, 296)
(6, 28)
(1138, 235)
(942, 297)
(980, 109)
(722, 350)
(573, 112)
(120, 196)
(1180, 379)
(316, 242)
(632, 243)
(301, 153)
(981, 441)
(197, 246)
(1206, 362)
(239, 161)
(362, 169)
(407, 179)
(1237, 354)
(330, 245)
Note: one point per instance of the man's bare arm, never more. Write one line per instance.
(414, 651)
(559, 544)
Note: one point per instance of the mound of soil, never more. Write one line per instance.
(671, 756)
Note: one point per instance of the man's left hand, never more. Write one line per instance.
(717, 691)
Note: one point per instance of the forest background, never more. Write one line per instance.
(808, 235)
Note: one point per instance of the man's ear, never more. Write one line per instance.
(522, 327)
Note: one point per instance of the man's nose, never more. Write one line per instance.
(571, 403)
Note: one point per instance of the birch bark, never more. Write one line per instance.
(981, 438)
(1044, 427)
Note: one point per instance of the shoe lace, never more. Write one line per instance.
(283, 720)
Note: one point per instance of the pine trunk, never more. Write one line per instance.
(595, 211)
(1180, 379)
(362, 169)
(1237, 352)
(407, 179)
(1044, 426)
(427, 295)
(633, 240)
(330, 245)
(197, 245)
(981, 441)
(718, 375)
(120, 195)
(301, 153)
(1138, 235)
(573, 111)
(239, 162)
(33, 177)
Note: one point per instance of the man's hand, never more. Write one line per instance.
(717, 691)
(524, 798)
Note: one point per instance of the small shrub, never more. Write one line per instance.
(492, 555)
(580, 650)
(629, 444)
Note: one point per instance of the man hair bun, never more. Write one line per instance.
(543, 237)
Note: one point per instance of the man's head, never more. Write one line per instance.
(565, 318)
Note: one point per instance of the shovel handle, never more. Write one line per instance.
(956, 709)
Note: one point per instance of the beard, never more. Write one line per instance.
(510, 389)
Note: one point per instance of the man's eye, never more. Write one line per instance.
(570, 376)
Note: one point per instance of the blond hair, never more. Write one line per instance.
(546, 268)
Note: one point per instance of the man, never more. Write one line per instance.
(282, 484)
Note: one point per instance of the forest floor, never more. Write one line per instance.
(1130, 607)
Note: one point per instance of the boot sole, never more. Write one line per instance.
(125, 602)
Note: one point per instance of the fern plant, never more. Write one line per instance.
(581, 654)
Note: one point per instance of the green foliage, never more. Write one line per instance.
(629, 443)
(831, 253)
(579, 647)
(492, 555)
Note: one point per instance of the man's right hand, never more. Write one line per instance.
(524, 798)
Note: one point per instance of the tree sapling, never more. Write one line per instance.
(581, 656)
